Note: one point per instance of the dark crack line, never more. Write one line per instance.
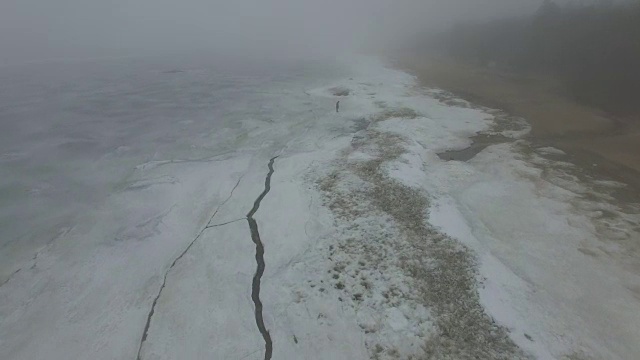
(224, 202)
(208, 159)
(175, 261)
(10, 277)
(225, 223)
(255, 287)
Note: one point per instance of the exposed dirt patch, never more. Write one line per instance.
(592, 137)
(340, 91)
(542, 101)
(401, 112)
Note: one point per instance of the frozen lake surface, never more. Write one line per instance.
(74, 134)
(203, 207)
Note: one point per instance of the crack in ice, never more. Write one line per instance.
(10, 277)
(226, 223)
(255, 288)
(175, 261)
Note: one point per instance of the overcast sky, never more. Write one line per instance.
(40, 29)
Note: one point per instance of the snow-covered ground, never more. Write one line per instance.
(374, 247)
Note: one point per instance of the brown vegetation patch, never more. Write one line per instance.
(439, 273)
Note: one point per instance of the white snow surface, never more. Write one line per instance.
(550, 269)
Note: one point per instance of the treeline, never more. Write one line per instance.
(594, 50)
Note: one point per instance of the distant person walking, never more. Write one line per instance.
(338, 106)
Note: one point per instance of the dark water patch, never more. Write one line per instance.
(479, 143)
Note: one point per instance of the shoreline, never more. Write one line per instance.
(607, 146)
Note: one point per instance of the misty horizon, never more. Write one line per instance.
(68, 29)
(340, 179)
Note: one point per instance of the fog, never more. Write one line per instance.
(41, 29)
